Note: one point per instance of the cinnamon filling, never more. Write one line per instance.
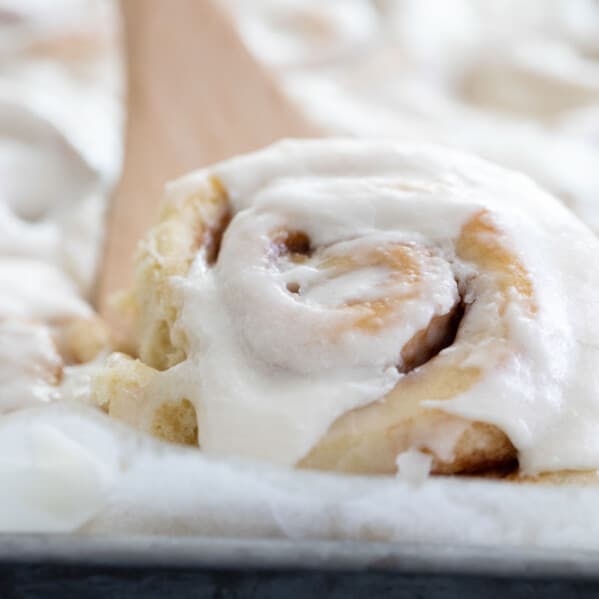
(427, 343)
(403, 261)
(295, 245)
(213, 238)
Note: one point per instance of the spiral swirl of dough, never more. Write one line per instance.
(334, 304)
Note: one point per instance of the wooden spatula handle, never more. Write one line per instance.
(195, 96)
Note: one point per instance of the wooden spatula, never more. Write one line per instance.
(195, 96)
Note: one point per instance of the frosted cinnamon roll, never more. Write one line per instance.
(336, 304)
(44, 328)
(47, 211)
(541, 81)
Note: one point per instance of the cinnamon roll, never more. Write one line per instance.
(44, 328)
(335, 304)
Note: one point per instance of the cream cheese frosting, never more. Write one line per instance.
(34, 290)
(59, 151)
(95, 476)
(420, 70)
(30, 366)
(56, 170)
(53, 478)
(501, 79)
(276, 351)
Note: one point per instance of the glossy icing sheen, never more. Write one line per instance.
(516, 83)
(270, 369)
(38, 291)
(30, 366)
(59, 151)
(383, 68)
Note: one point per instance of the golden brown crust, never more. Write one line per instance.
(562, 477)
(168, 251)
(471, 446)
(482, 447)
(124, 389)
(176, 422)
(82, 339)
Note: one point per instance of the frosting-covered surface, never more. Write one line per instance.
(339, 254)
(59, 151)
(39, 291)
(517, 84)
(30, 366)
(53, 478)
(95, 477)
(514, 82)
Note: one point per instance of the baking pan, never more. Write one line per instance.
(56, 566)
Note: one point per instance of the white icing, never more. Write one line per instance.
(268, 370)
(53, 480)
(76, 382)
(500, 79)
(418, 69)
(295, 32)
(59, 151)
(53, 210)
(34, 290)
(30, 366)
(414, 466)
(101, 478)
